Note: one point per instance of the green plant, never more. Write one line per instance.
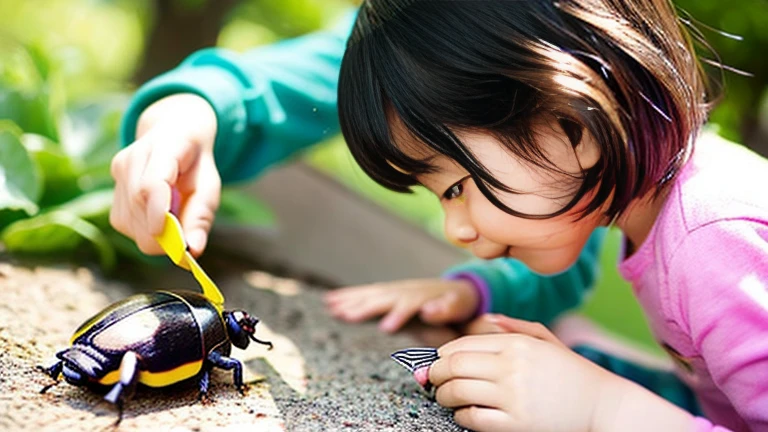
(55, 185)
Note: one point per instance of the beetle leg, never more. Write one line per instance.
(227, 363)
(205, 379)
(52, 371)
(129, 368)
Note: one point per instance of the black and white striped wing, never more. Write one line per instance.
(415, 358)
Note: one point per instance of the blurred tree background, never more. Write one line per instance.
(67, 68)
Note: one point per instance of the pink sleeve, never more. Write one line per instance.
(701, 424)
(718, 294)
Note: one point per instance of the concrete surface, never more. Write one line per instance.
(325, 229)
(323, 375)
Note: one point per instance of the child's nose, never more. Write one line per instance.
(459, 229)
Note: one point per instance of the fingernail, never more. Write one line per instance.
(421, 375)
(196, 241)
(429, 308)
(387, 326)
(492, 318)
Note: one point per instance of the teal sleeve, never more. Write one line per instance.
(515, 290)
(270, 102)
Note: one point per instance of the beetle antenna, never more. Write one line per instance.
(257, 340)
(48, 387)
(53, 372)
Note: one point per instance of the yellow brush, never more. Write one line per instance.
(172, 242)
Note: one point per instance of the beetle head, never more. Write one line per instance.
(241, 328)
(73, 375)
(79, 365)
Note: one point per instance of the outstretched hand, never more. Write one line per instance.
(435, 301)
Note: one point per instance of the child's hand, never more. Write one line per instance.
(522, 380)
(489, 323)
(173, 152)
(436, 301)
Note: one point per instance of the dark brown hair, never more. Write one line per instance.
(625, 71)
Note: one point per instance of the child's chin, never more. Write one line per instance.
(550, 267)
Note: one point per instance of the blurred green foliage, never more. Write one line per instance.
(67, 69)
(745, 24)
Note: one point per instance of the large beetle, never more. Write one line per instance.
(156, 339)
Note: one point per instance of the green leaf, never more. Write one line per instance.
(92, 138)
(8, 216)
(20, 180)
(19, 68)
(93, 206)
(57, 232)
(60, 174)
(30, 110)
(28, 88)
(127, 248)
(93, 127)
(239, 208)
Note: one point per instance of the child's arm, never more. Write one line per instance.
(269, 102)
(220, 117)
(514, 290)
(503, 285)
(718, 297)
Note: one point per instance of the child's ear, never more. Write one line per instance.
(584, 144)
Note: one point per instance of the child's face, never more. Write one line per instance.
(546, 245)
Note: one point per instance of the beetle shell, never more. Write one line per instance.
(171, 332)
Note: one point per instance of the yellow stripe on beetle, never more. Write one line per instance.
(158, 379)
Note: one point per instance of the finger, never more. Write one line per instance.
(352, 292)
(480, 343)
(138, 203)
(199, 209)
(118, 164)
(530, 328)
(119, 216)
(398, 316)
(158, 194)
(483, 325)
(160, 176)
(444, 309)
(135, 200)
(465, 365)
(126, 168)
(363, 309)
(482, 419)
(348, 303)
(133, 172)
(146, 243)
(458, 393)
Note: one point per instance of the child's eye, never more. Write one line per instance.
(454, 191)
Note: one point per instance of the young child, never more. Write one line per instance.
(537, 122)
(225, 117)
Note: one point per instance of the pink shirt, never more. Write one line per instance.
(702, 278)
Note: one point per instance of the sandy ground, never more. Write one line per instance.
(323, 375)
